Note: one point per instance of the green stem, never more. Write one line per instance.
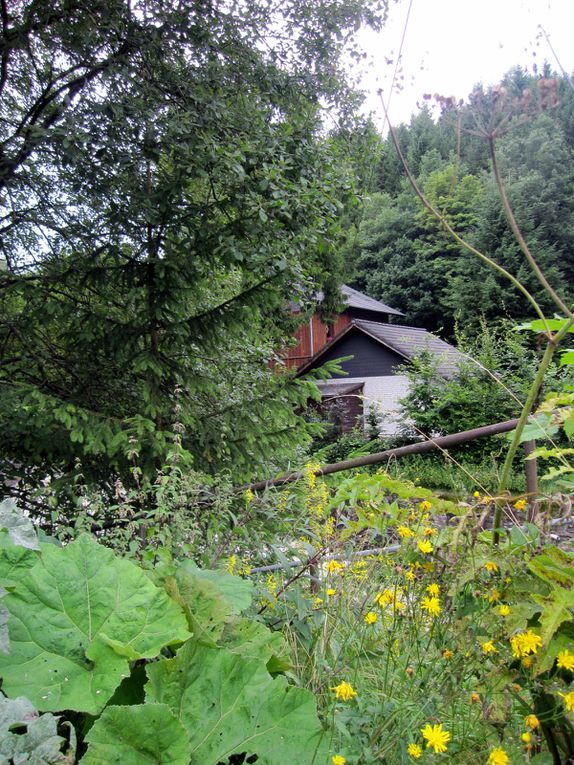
(524, 415)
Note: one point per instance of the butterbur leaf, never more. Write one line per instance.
(253, 640)
(62, 613)
(554, 566)
(39, 742)
(20, 529)
(555, 610)
(15, 561)
(237, 592)
(230, 705)
(136, 735)
(206, 609)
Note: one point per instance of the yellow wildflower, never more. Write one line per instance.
(568, 700)
(526, 737)
(474, 698)
(498, 757)
(531, 721)
(476, 495)
(385, 597)
(565, 660)
(428, 567)
(526, 661)
(447, 654)
(425, 546)
(317, 602)
(344, 691)
(525, 643)
(359, 570)
(489, 647)
(331, 592)
(405, 532)
(410, 575)
(249, 495)
(504, 610)
(494, 595)
(414, 751)
(232, 564)
(433, 590)
(486, 500)
(436, 737)
(520, 504)
(333, 567)
(425, 505)
(429, 531)
(491, 567)
(371, 617)
(272, 584)
(431, 606)
(338, 759)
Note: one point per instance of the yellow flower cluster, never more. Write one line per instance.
(334, 567)
(359, 570)
(525, 643)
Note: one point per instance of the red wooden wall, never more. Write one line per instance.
(312, 337)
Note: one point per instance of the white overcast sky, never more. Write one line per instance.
(450, 45)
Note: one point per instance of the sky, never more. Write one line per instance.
(451, 45)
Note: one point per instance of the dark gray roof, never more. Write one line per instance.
(411, 341)
(329, 389)
(356, 299)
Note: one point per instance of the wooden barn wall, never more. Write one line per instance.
(370, 358)
(302, 352)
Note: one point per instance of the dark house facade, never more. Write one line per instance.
(374, 378)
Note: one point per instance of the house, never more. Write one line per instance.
(374, 378)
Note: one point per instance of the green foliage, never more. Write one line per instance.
(90, 638)
(241, 706)
(27, 737)
(168, 190)
(407, 260)
(134, 735)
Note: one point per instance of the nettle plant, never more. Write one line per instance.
(103, 662)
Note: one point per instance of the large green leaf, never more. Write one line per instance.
(20, 528)
(205, 607)
(254, 640)
(137, 735)
(237, 592)
(37, 740)
(229, 704)
(15, 561)
(554, 566)
(75, 619)
(556, 609)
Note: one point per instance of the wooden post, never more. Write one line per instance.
(531, 471)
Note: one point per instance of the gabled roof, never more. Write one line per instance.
(356, 299)
(407, 342)
(412, 341)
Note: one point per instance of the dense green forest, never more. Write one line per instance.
(176, 176)
(400, 252)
